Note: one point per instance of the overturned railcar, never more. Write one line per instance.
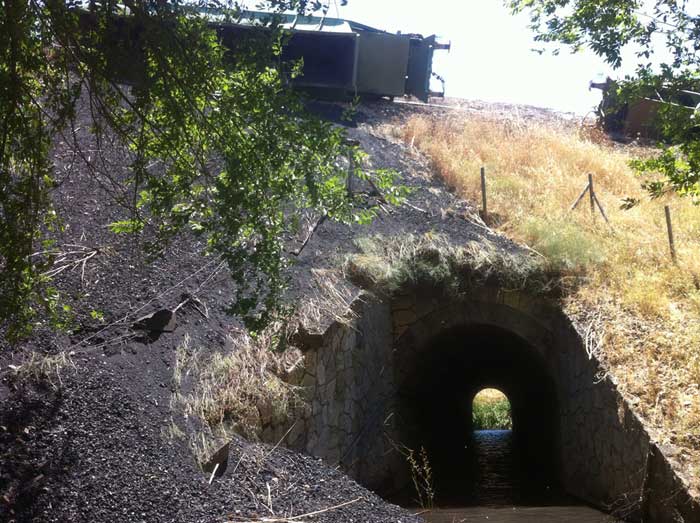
(638, 118)
(343, 58)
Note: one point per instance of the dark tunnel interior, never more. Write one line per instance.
(435, 411)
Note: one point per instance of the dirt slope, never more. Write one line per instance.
(99, 448)
(99, 451)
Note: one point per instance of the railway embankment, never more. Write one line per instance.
(397, 324)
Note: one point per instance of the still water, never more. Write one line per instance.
(571, 514)
(499, 487)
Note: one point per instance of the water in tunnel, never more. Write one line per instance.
(475, 467)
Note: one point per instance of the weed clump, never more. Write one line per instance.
(44, 370)
(241, 391)
(388, 265)
(421, 473)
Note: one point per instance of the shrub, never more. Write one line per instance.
(491, 415)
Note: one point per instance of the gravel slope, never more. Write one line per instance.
(98, 450)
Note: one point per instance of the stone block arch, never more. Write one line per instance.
(356, 373)
(447, 352)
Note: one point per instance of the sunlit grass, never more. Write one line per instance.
(491, 411)
(647, 309)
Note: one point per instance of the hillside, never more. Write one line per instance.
(103, 422)
(87, 425)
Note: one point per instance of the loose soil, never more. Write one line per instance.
(97, 446)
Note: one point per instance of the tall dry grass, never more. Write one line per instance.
(239, 391)
(646, 310)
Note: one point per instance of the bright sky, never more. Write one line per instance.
(491, 57)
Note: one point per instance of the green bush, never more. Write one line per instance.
(491, 415)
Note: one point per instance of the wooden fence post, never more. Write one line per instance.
(593, 198)
(484, 209)
(580, 197)
(669, 230)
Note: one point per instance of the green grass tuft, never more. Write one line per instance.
(568, 246)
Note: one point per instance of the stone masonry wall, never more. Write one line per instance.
(350, 380)
(349, 385)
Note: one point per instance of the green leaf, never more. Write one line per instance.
(126, 226)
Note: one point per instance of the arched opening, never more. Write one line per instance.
(491, 410)
(437, 387)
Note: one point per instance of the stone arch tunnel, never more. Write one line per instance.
(402, 373)
(434, 408)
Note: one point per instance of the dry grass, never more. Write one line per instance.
(387, 265)
(649, 308)
(329, 298)
(43, 369)
(240, 391)
(421, 473)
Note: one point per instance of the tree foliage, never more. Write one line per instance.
(665, 37)
(218, 143)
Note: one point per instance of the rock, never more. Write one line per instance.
(265, 411)
(160, 321)
(670, 451)
(218, 462)
(305, 340)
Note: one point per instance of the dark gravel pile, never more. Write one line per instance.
(99, 450)
(431, 206)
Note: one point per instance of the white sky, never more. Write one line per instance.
(491, 57)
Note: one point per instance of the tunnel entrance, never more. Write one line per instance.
(516, 464)
(401, 376)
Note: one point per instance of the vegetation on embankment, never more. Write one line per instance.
(389, 264)
(638, 310)
(238, 391)
(491, 411)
